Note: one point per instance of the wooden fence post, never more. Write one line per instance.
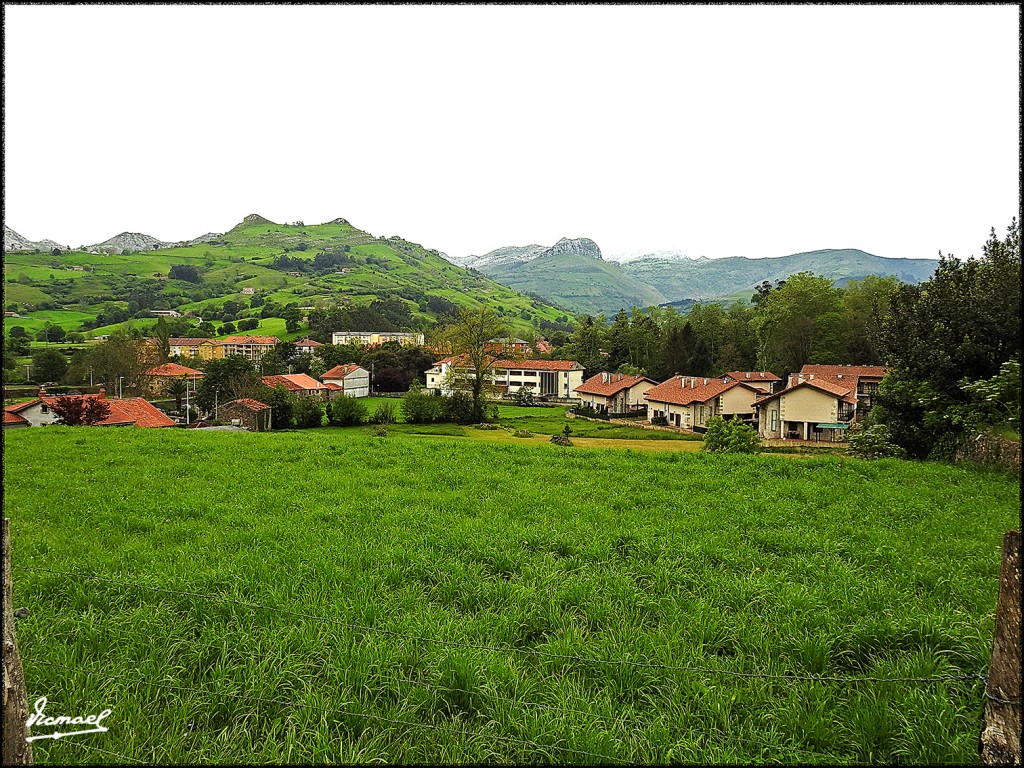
(16, 750)
(1000, 729)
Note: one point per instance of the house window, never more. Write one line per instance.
(773, 420)
(701, 415)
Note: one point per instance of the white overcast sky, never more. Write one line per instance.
(718, 131)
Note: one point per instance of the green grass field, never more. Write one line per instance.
(329, 596)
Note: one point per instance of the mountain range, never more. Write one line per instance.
(574, 274)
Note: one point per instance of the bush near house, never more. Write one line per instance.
(730, 436)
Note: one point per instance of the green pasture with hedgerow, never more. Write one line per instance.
(332, 596)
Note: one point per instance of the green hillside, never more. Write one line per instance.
(326, 266)
(737, 276)
(582, 283)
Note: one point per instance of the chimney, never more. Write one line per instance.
(810, 377)
(748, 374)
(604, 377)
(102, 394)
(839, 375)
(705, 382)
(42, 393)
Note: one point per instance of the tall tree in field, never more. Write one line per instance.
(585, 345)
(469, 336)
(49, 365)
(619, 341)
(645, 342)
(120, 360)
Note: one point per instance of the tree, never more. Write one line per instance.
(347, 412)
(292, 317)
(317, 366)
(469, 336)
(962, 325)
(227, 379)
(282, 406)
(75, 411)
(420, 407)
(308, 413)
(162, 334)
(49, 365)
(176, 388)
(184, 272)
(121, 357)
(619, 341)
(585, 345)
(797, 323)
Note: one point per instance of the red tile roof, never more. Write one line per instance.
(250, 340)
(189, 342)
(608, 384)
(333, 386)
(341, 371)
(752, 376)
(851, 371)
(248, 402)
(293, 382)
(172, 369)
(137, 411)
(539, 365)
(683, 390)
(462, 361)
(11, 418)
(308, 343)
(839, 391)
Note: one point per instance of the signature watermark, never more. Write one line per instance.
(39, 717)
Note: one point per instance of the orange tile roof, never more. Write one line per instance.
(683, 390)
(839, 391)
(332, 385)
(137, 411)
(189, 342)
(172, 369)
(340, 371)
(852, 371)
(248, 402)
(250, 340)
(308, 343)
(293, 382)
(608, 384)
(10, 417)
(752, 376)
(538, 365)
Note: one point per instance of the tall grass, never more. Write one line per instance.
(421, 600)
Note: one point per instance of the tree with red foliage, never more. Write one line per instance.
(80, 411)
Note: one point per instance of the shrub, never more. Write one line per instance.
(347, 412)
(308, 413)
(660, 421)
(730, 436)
(379, 431)
(458, 408)
(385, 414)
(874, 442)
(420, 407)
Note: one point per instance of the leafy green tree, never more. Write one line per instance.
(308, 413)
(292, 318)
(49, 365)
(620, 339)
(874, 442)
(282, 406)
(317, 367)
(419, 407)
(586, 344)
(730, 436)
(798, 323)
(162, 334)
(176, 388)
(227, 379)
(524, 395)
(347, 412)
(470, 336)
(960, 326)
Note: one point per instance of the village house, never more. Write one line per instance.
(154, 380)
(351, 380)
(165, 313)
(615, 392)
(307, 346)
(300, 384)
(373, 338)
(508, 346)
(248, 291)
(126, 412)
(545, 378)
(246, 413)
(252, 348)
(690, 402)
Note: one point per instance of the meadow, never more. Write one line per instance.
(332, 596)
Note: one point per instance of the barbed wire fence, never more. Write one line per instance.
(529, 747)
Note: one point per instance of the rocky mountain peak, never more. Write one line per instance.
(582, 246)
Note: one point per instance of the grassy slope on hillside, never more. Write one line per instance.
(242, 260)
(752, 565)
